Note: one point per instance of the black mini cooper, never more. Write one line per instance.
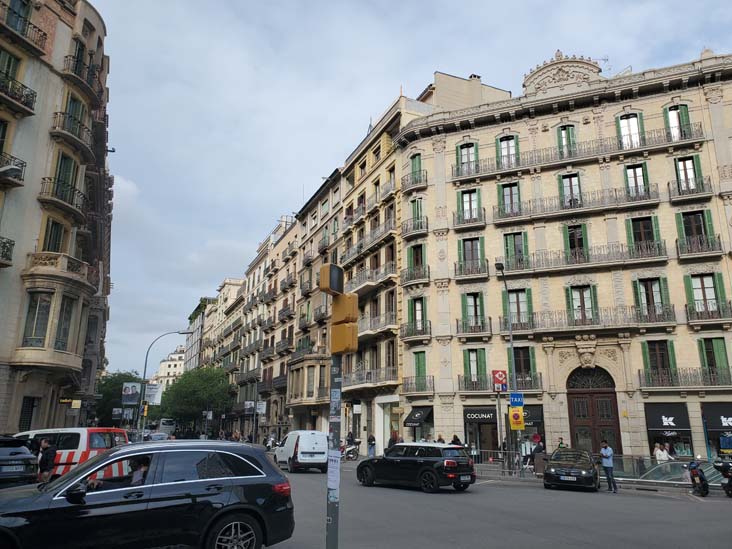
(426, 465)
(203, 494)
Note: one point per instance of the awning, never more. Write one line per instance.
(418, 416)
(718, 416)
(480, 414)
(533, 415)
(667, 416)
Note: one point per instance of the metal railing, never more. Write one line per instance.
(284, 313)
(52, 187)
(87, 73)
(379, 232)
(414, 180)
(709, 309)
(678, 188)
(474, 325)
(414, 274)
(685, 377)
(375, 323)
(267, 353)
(418, 384)
(699, 244)
(264, 386)
(388, 188)
(323, 391)
(471, 267)
(22, 26)
(579, 150)
(484, 383)
(6, 249)
(359, 211)
(320, 313)
(287, 282)
(303, 322)
(475, 216)
(306, 287)
(600, 317)
(68, 123)
(279, 382)
(16, 91)
(606, 253)
(421, 328)
(588, 199)
(373, 276)
(377, 375)
(307, 257)
(415, 225)
(323, 244)
(10, 160)
(352, 252)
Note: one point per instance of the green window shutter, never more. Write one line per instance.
(504, 297)
(460, 204)
(464, 306)
(560, 186)
(641, 128)
(460, 251)
(697, 167)
(680, 228)
(663, 282)
(708, 223)
(420, 369)
(689, 290)
(565, 235)
(646, 358)
(518, 193)
(645, 175)
(559, 141)
(410, 257)
(618, 132)
(595, 302)
(636, 293)
(629, 233)
(410, 311)
(656, 230)
(501, 207)
(481, 307)
(570, 139)
(529, 302)
(509, 358)
(478, 200)
(676, 168)
(481, 363)
(702, 353)
(475, 152)
(684, 118)
(518, 152)
(719, 289)
(508, 246)
(568, 300)
(458, 165)
(625, 178)
(481, 248)
(666, 122)
(585, 243)
(498, 153)
(532, 357)
(466, 364)
(525, 242)
(720, 353)
(671, 356)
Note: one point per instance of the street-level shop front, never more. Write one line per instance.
(668, 422)
(421, 423)
(717, 418)
(481, 428)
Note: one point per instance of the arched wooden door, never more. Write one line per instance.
(593, 410)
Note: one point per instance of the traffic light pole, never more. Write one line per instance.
(334, 455)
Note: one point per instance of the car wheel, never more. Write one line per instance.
(428, 482)
(290, 467)
(460, 487)
(234, 532)
(366, 476)
(323, 469)
(547, 486)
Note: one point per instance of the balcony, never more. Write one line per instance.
(699, 247)
(58, 265)
(412, 228)
(269, 296)
(279, 382)
(474, 327)
(691, 189)
(372, 202)
(367, 280)
(287, 282)
(12, 171)
(64, 197)
(6, 252)
(359, 212)
(306, 350)
(17, 97)
(709, 313)
(320, 314)
(84, 77)
(468, 220)
(352, 253)
(323, 244)
(475, 269)
(379, 233)
(285, 313)
(415, 275)
(303, 322)
(684, 377)
(414, 181)
(306, 287)
(267, 354)
(599, 318)
(594, 257)
(525, 382)
(264, 387)
(581, 151)
(370, 326)
(377, 376)
(388, 189)
(283, 346)
(347, 221)
(421, 385)
(415, 332)
(307, 257)
(19, 30)
(585, 202)
(74, 133)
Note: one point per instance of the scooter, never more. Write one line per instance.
(350, 452)
(698, 478)
(724, 466)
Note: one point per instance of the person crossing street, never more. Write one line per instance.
(607, 464)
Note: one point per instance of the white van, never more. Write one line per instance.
(302, 450)
(167, 426)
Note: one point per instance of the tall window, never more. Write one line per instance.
(514, 245)
(473, 312)
(713, 355)
(53, 240)
(416, 165)
(311, 381)
(420, 364)
(66, 172)
(8, 64)
(643, 229)
(416, 208)
(677, 122)
(565, 135)
(571, 197)
(470, 205)
(507, 148)
(650, 297)
(576, 243)
(522, 364)
(694, 225)
(36, 320)
(3, 134)
(468, 157)
(417, 256)
(473, 364)
(687, 176)
(629, 131)
(658, 357)
(582, 305)
(704, 292)
(417, 313)
(636, 180)
(510, 201)
(471, 249)
(65, 316)
(518, 306)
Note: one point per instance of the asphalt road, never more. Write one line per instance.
(511, 515)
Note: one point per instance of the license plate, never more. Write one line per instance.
(464, 478)
(567, 478)
(12, 468)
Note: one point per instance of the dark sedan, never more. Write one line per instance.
(203, 494)
(17, 464)
(568, 467)
(426, 465)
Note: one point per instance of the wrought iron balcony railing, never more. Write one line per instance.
(89, 74)
(320, 313)
(685, 377)
(468, 218)
(68, 123)
(414, 226)
(9, 160)
(52, 187)
(473, 325)
(370, 276)
(421, 328)
(699, 244)
(682, 188)
(6, 250)
(484, 383)
(418, 384)
(414, 180)
(415, 274)
(709, 310)
(22, 25)
(598, 317)
(16, 91)
(374, 376)
(471, 268)
(323, 244)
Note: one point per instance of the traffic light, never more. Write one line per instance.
(144, 412)
(343, 328)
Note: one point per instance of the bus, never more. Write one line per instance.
(167, 425)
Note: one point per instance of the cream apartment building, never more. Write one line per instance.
(170, 368)
(55, 211)
(606, 202)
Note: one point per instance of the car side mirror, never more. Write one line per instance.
(76, 493)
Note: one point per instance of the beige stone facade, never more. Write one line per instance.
(170, 368)
(55, 212)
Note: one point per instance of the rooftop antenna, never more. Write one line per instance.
(371, 125)
(605, 61)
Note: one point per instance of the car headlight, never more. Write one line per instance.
(551, 470)
(584, 473)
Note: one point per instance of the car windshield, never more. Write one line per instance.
(566, 454)
(79, 472)
(454, 453)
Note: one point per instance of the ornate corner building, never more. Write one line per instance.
(55, 211)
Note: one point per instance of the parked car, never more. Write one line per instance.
(570, 467)
(209, 494)
(302, 450)
(74, 445)
(158, 436)
(426, 465)
(17, 464)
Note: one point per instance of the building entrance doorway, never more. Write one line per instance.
(593, 410)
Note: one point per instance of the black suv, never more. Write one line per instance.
(17, 464)
(212, 495)
(427, 465)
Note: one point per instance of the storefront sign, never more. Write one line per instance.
(718, 416)
(64, 400)
(667, 417)
(418, 416)
(533, 415)
(482, 414)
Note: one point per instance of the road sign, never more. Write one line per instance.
(516, 417)
(517, 399)
(261, 407)
(500, 381)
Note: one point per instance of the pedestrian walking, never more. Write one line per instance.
(456, 440)
(607, 464)
(371, 441)
(660, 453)
(392, 440)
(561, 443)
(440, 439)
(47, 457)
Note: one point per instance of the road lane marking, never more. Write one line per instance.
(486, 482)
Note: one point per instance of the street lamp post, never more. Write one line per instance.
(141, 418)
(513, 382)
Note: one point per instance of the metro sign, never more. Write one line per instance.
(500, 381)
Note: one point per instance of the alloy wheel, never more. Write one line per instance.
(428, 482)
(236, 535)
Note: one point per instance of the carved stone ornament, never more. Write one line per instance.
(442, 283)
(442, 255)
(564, 356)
(713, 94)
(610, 354)
(438, 144)
(443, 340)
(440, 234)
(415, 291)
(518, 284)
(586, 350)
(560, 72)
(701, 268)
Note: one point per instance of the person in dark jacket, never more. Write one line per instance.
(48, 457)
(456, 441)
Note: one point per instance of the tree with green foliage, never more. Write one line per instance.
(110, 387)
(195, 391)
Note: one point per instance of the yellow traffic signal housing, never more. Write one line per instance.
(345, 308)
(344, 338)
(331, 279)
(145, 411)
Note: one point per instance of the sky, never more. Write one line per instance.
(226, 114)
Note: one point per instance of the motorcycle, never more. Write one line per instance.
(724, 466)
(350, 452)
(698, 478)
